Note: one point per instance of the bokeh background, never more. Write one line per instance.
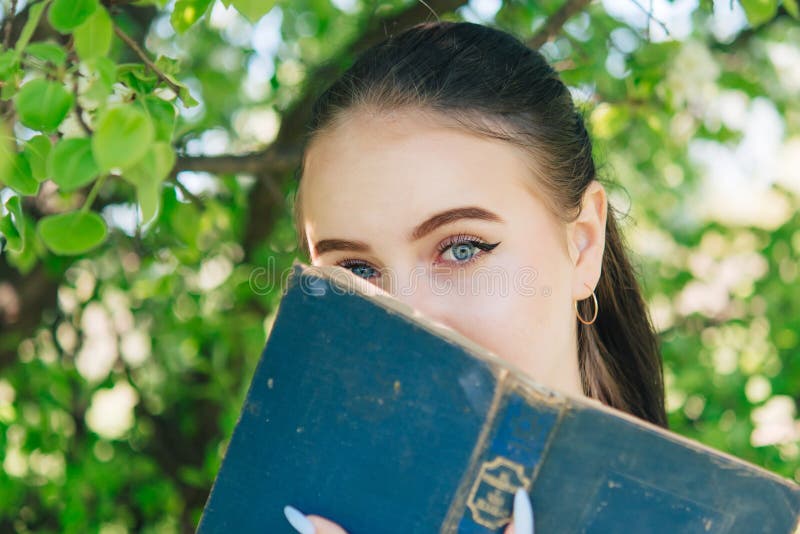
(129, 330)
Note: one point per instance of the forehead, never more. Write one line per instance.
(393, 170)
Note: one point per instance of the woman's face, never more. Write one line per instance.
(449, 223)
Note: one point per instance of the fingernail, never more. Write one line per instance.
(300, 522)
(523, 513)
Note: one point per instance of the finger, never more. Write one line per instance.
(509, 529)
(324, 526)
(523, 513)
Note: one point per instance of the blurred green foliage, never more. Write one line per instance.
(146, 158)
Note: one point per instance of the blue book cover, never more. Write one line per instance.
(363, 411)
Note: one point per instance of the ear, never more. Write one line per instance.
(586, 240)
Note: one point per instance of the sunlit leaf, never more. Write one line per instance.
(12, 225)
(47, 51)
(72, 233)
(37, 151)
(792, 8)
(66, 15)
(19, 177)
(93, 37)
(759, 11)
(253, 10)
(72, 163)
(187, 12)
(43, 104)
(147, 176)
(123, 135)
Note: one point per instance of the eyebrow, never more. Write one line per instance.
(421, 230)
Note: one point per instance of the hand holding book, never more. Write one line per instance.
(521, 521)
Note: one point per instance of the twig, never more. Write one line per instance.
(9, 21)
(651, 17)
(147, 61)
(197, 201)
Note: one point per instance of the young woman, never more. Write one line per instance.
(449, 167)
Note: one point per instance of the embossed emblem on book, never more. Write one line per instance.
(492, 493)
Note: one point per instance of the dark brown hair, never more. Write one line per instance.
(489, 82)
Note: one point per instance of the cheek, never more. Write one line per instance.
(519, 326)
(518, 306)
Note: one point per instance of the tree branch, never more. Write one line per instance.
(133, 45)
(556, 21)
(273, 158)
(9, 22)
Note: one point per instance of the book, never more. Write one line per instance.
(363, 411)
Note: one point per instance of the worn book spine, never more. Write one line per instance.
(508, 453)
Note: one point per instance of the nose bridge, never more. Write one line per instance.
(408, 283)
(415, 287)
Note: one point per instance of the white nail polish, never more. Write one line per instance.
(523, 513)
(300, 522)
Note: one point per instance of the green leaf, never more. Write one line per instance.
(187, 12)
(138, 77)
(8, 149)
(147, 176)
(760, 11)
(168, 65)
(47, 51)
(154, 166)
(72, 164)
(12, 225)
(72, 233)
(37, 151)
(163, 115)
(93, 37)
(253, 10)
(34, 15)
(66, 15)
(18, 176)
(10, 232)
(123, 135)
(792, 8)
(43, 104)
(148, 194)
(9, 64)
(186, 97)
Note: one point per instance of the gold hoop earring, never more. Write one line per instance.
(596, 309)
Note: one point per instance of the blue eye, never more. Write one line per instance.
(360, 269)
(463, 249)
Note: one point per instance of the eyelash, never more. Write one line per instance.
(477, 242)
